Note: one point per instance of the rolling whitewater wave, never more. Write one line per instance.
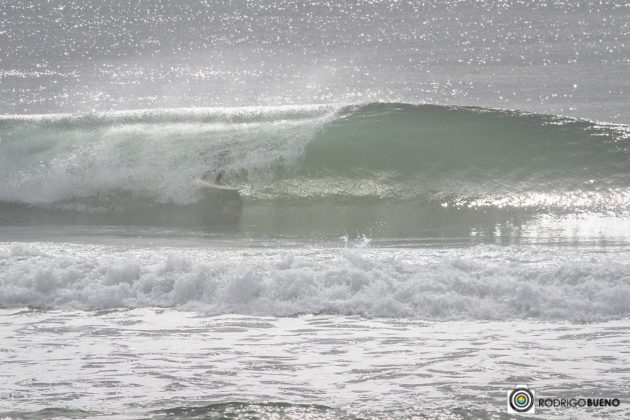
(485, 282)
(448, 156)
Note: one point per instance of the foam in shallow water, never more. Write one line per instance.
(156, 363)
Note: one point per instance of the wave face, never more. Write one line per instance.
(448, 156)
(465, 156)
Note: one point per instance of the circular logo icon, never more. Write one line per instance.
(521, 400)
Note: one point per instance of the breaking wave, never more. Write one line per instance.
(477, 283)
(450, 156)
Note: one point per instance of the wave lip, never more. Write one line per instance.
(476, 283)
(174, 115)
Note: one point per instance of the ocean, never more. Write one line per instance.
(429, 206)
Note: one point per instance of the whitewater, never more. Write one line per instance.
(432, 208)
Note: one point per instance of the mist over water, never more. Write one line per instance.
(568, 58)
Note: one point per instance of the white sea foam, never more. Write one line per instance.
(47, 159)
(471, 283)
(125, 364)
